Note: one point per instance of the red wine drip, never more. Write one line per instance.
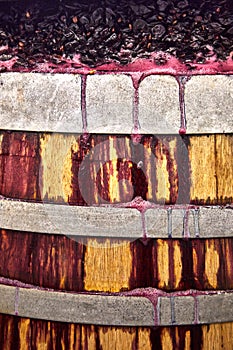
(145, 237)
(136, 136)
(153, 295)
(83, 105)
(17, 301)
(182, 80)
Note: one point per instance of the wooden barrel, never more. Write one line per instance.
(110, 243)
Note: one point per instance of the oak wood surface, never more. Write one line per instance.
(108, 265)
(165, 169)
(27, 334)
(64, 168)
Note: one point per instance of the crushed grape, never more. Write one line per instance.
(115, 30)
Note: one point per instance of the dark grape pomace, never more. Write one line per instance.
(115, 30)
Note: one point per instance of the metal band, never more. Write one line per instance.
(154, 308)
(110, 221)
(58, 106)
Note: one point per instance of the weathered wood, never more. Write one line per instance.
(19, 164)
(58, 262)
(113, 260)
(202, 167)
(224, 168)
(26, 334)
(63, 168)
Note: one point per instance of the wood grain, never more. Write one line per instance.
(19, 165)
(117, 337)
(56, 166)
(58, 262)
(19, 333)
(224, 168)
(212, 263)
(202, 166)
(217, 336)
(64, 168)
(166, 339)
(163, 266)
(104, 263)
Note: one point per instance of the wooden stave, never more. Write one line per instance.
(22, 333)
(27, 157)
(167, 337)
(60, 263)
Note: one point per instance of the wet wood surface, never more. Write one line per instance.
(65, 168)
(59, 168)
(27, 334)
(58, 262)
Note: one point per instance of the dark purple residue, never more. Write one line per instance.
(182, 80)
(144, 239)
(153, 294)
(83, 104)
(17, 301)
(50, 35)
(136, 136)
(143, 205)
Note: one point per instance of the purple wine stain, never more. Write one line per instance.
(173, 173)
(16, 301)
(182, 80)
(143, 205)
(184, 169)
(136, 136)
(83, 106)
(19, 165)
(154, 294)
(145, 238)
